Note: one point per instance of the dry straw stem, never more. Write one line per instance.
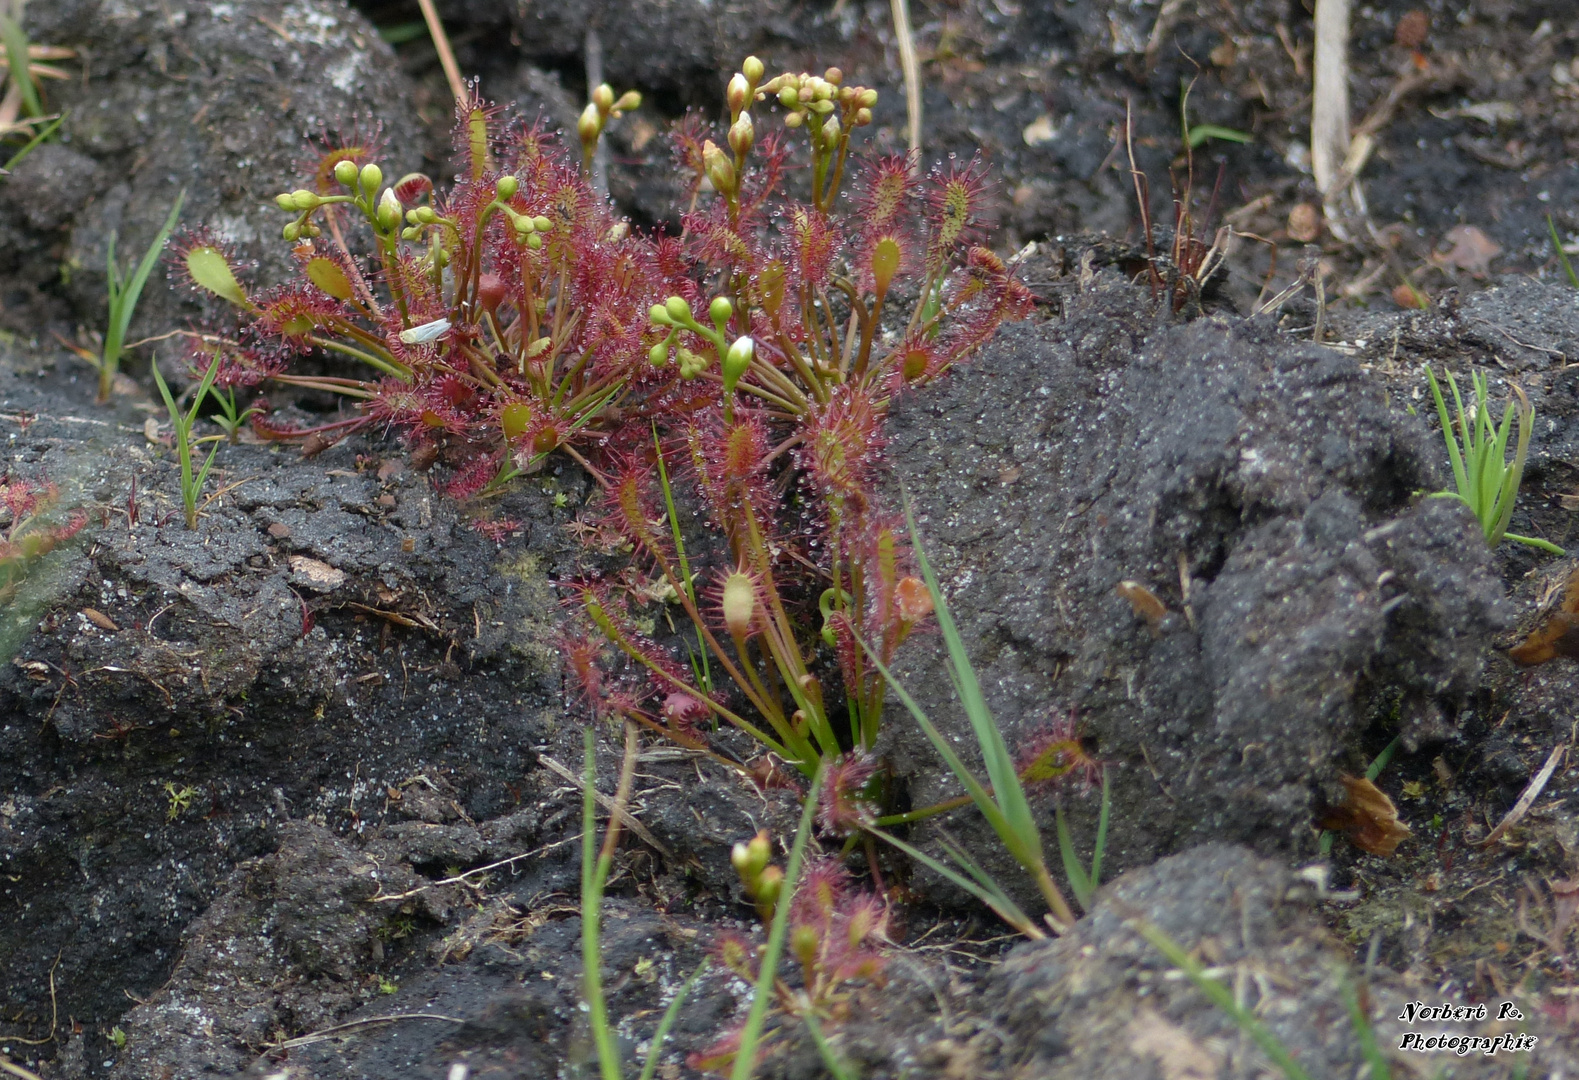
(441, 43)
(912, 70)
(1532, 791)
(1329, 110)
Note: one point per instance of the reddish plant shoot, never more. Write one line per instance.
(753, 358)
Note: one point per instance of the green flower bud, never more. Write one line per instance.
(603, 98)
(345, 172)
(658, 355)
(720, 310)
(629, 101)
(752, 69)
(287, 201)
(413, 218)
(789, 97)
(534, 242)
(863, 116)
(388, 211)
(292, 231)
(507, 186)
(737, 361)
(867, 99)
(794, 120)
(590, 125)
(679, 311)
(720, 170)
(831, 131)
(411, 233)
(542, 224)
(659, 315)
(738, 93)
(302, 199)
(427, 215)
(834, 76)
(742, 135)
(822, 106)
(371, 178)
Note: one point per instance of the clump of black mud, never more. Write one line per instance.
(295, 793)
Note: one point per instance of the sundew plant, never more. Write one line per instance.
(750, 360)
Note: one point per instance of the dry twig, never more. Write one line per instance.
(1532, 791)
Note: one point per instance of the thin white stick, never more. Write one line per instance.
(1532, 791)
(1329, 110)
(912, 70)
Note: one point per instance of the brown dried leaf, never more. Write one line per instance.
(1367, 816)
(1144, 601)
(1472, 250)
(101, 620)
(1304, 222)
(1558, 634)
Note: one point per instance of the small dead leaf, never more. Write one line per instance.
(1009, 475)
(1413, 27)
(279, 530)
(1143, 601)
(1471, 251)
(1039, 131)
(1176, 1052)
(151, 430)
(1410, 298)
(315, 575)
(1224, 54)
(390, 467)
(101, 620)
(1558, 635)
(1304, 222)
(1367, 816)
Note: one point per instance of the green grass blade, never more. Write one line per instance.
(1366, 1035)
(1514, 474)
(978, 794)
(1078, 881)
(1536, 542)
(987, 892)
(1460, 478)
(176, 418)
(1562, 256)
(751, 1034)
(1101, 842)
(591, 916)
(1379, 762)
(670, 1015)
(28, 147)
(1222, 997)
(16, 44)
(123, 300)
(1007, 791)
(830, 1060)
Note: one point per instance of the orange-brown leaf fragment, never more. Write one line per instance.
(1144, 601)
(1558, 635)
(99, 619)
(1367, 816)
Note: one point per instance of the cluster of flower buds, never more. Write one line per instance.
(384, 210)
(763, 882)
(812, 100)
(599, 111)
